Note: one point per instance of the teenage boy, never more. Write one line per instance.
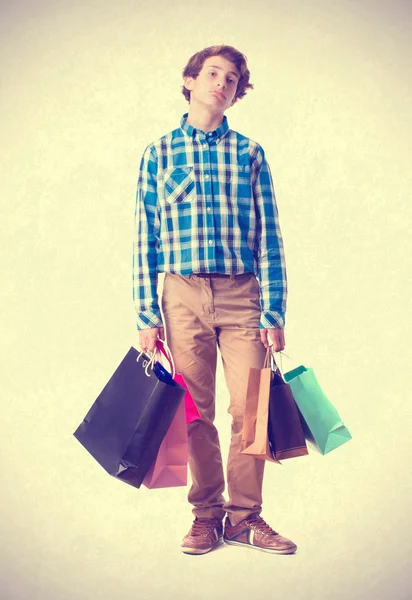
(206, 216)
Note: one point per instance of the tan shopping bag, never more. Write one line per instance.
(255, 439)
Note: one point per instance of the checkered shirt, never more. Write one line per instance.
(205, 203)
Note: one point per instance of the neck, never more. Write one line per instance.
(203, 119)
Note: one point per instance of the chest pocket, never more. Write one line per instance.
(235, 182)
(179, 185)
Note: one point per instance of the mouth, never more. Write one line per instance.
(219, 94)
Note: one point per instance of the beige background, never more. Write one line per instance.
(85, 87)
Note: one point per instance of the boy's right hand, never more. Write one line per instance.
(148, 337)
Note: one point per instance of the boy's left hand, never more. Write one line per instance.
(273, 336)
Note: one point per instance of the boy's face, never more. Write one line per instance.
(215, 86)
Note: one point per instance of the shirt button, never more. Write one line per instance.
(218, 140)
(210, 242)
(207, 175)
(209, 209)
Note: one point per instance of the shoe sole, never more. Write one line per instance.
(290, 550)
(188, 550)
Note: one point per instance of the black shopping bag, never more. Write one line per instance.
(125, 426)
(286, 436)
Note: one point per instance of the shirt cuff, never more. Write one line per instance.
(271, 319)
(149, 319)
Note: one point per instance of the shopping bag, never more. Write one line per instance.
(192, 412)
(125, 426)
(170, 467)
(286, 437)
(322, 425)
(255, 437)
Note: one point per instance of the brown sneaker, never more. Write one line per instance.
(255, 533)
(204, 535)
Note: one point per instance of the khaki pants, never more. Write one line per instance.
(199, 315)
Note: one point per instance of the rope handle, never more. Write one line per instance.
(163, 348)
(150, 363)
(270, 360)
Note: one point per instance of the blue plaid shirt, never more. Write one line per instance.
(205, 203)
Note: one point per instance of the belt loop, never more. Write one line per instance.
(232, 277)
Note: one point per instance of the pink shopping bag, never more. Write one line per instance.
(170, 467)
(192, 412)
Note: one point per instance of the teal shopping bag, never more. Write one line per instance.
(322, 424)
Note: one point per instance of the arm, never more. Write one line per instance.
(270, 255)
(146, 237)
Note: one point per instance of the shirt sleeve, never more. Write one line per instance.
(270, 252)
(145, 244)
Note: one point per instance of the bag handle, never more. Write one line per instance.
(162, 347)
(150, 363)
(270, 360)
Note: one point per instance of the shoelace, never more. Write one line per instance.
(203, 526)
(261, 525)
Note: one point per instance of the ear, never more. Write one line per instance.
(187, 82)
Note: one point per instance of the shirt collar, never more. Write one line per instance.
(192, 132)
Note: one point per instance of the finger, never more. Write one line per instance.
(144, 343)
(270, 337)
(152, 339)
(276, 345)
(280, 340)
(277, 339)
(264, 337)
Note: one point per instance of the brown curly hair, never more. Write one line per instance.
(195, 64)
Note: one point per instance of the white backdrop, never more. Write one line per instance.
(85, 87)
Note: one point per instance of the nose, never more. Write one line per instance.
(221, 84)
